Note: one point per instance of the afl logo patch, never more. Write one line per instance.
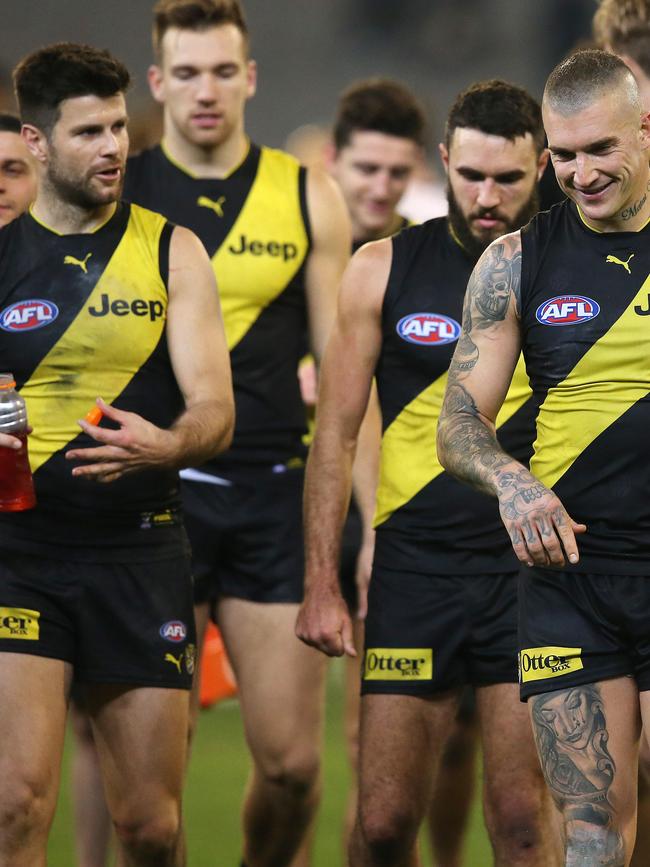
(428, 329)
(567, 310)
(28, 315)
(173, 630)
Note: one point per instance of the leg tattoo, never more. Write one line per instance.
(571, 734)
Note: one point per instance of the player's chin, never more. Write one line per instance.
(206, 137)
(107, 193)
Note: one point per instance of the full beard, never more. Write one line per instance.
(77, 191)
(474, 244)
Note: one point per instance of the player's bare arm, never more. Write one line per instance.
(541, 531)
(332, 239)
(346, 377)
(201, 364)
(365, 478)
(329, 254)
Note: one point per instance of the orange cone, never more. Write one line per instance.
(217, 678)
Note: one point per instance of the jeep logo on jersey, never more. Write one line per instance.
(567, 310)
(120, 307)
(429, 329)
(28, 315)
(173, 630)
(276, 249)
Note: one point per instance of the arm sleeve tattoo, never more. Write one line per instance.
(466, 446)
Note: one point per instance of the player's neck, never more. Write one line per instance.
(361, 235)
(65, 218)
(218, 161)
(633, 217)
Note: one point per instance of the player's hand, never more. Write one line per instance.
(136, 445)
(541, 530)
(7, 441)
(324, 622)
(362, 576)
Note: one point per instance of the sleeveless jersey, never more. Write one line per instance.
(84, 315)
(586, 327)
(254, 226)
(426, 520)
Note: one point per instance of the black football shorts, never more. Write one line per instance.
(246, 536)
(118, 623)
(430, 633)
(577, 628)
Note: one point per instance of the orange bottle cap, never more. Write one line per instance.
(94, 415)
(7, 381)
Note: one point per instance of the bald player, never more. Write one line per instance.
(571, 291)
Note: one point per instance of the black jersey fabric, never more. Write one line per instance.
(425, 517)
(82, 316)
(586, 327)
(254, 226)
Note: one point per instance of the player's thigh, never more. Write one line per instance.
(587, 738)
(141, 738)
(644, 702)
(33, 711)
(280, 679)
(201, 619)
(509, 753)
(401, 740)
(352, 693)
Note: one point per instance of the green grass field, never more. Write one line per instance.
(217, 775)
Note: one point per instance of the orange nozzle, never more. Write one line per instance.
(94, 415)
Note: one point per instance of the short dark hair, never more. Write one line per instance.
(9, 122)
(45, 78)
(196, 15)
(379, 105)
(623, 26)
(584, 76)
(496, 107)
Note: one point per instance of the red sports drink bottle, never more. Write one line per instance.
(16, 483)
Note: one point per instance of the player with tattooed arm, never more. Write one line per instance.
(571, 290)
(442, 597)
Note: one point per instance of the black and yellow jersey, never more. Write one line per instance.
(586, 329)
(426, 520)
(254, 226)
(82, 316)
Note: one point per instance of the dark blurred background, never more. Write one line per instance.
(308, 50)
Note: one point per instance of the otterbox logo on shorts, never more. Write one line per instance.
(540, 663)
(398, 663)
(19, 623)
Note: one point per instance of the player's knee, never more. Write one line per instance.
(387, 830)
(151, 836)
(513, 818)
(24, 806)
(295, 771)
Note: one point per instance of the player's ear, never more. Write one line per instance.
(329, 155)
(645, 130)
(444, 155)
(542, 162)
(251, 78)
(36, 141)
(156, 85)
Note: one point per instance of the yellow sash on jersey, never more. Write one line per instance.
(93, 356)
(271, 224)
(409, 460)
(609, 378)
